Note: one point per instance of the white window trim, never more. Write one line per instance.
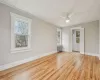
(13, 49)
(59, 29)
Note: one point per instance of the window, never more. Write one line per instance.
(58, 36)
(20, 33)
(77, 36)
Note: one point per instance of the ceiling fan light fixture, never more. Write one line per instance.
(67, 20)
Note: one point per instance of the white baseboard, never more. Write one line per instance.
(65, 50)
(13, 64)
(92, 54)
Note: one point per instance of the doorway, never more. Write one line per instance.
(77, 40)
(59, 40)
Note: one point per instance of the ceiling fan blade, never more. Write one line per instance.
(63, 17)
(76, 13)
(70, 15)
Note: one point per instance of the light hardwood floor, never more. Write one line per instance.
(59, 66)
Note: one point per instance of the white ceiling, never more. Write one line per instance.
(52, 10)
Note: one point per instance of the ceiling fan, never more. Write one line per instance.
(67, 15)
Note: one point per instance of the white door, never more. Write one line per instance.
(76, 40)
(82, 40)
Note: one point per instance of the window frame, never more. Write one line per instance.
(59, 30)
(15, 17)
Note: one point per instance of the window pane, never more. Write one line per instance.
(21, 27)
(78, 40)
(21, 41)
(58, 37)
(77, 33)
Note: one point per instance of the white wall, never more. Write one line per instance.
(99, 39)
(66, 38)
(43, 36)
(91, 37)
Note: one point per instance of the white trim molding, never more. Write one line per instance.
(76, 28)
(13, 64)
(99, 56)
(92, 54)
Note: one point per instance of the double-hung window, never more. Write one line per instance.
(20, 33)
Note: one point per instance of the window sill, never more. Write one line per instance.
(19, 51)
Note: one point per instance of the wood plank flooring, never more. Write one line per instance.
(59, 66)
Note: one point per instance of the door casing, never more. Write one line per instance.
(81, 39)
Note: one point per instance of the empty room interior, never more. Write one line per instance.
(49, 39)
